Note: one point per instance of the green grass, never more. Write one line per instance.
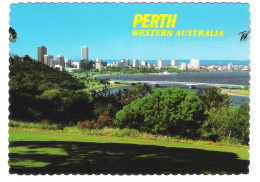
(34, 151)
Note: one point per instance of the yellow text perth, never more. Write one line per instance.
(160, 21)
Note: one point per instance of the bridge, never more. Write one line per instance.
(190, 84)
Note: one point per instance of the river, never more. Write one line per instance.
(236, 78)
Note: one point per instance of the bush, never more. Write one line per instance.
(228, 122)
(39, 126)
(168, 111)
(103, 121)
(85, 125)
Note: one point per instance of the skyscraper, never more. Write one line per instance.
(161, 64)
(68, 62)
(136, 63)
(174, 63)
(41, 51)
(60, 59)
(47, 59)
(84, 53)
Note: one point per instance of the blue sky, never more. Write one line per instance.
(107, 30)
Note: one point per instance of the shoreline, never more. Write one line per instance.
(168, 73)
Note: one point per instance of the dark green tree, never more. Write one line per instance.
(12, 35)
(168, 111)
(244, 34)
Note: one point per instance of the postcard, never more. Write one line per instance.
(129, 88)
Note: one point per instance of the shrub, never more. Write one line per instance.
(228, 122)
(39, 126)
(85, 125)
(45, 121)
(168, 111)
(103, 121)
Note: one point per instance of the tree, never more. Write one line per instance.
(12, 35)
(212, 98)
(139, 91)
(227, 123)
(168, 111)
(244, 34)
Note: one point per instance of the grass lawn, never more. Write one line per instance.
(34, 152)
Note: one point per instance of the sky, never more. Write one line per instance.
(106, 29)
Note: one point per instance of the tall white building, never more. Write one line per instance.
(47, 59)
(150, 66)
(183, 66)
(84, 53)
(68, 62)
(173, 62)
(60, 60)
(41, 51)
(136, 63)
(195, 64)
(230, 67)
(161, 64)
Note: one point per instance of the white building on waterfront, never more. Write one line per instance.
(195, 64)
(150, 65)
(136, 63)
(173, 62)
(161, 64)
(183, 66)
(230, 67)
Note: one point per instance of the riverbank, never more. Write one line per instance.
(236, 92)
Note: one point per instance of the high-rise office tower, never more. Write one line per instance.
(136, 63)
(47, 59)
(174, 63)
(68, 62)
(60, 59)
(41, 51)
(161, 64)
(84, 53)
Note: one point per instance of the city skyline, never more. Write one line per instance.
(112, 38)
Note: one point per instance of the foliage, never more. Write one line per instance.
(85, 125)
(138, 92)
(103, 121)
(212, 98)
(169, 111)
(33, 125)
(228, 122)
(12, 35)
(39, 92)
(244, 34)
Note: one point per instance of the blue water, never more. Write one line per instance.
(236, 100)
(202, 62)
(233, 78)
